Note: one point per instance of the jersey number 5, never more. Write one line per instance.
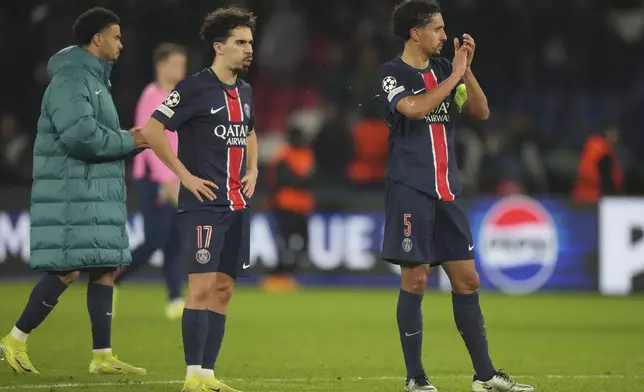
(201, 244)
(407, 223)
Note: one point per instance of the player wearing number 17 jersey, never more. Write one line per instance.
(420, 93)
(212, 112)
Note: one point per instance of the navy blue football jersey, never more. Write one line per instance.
(421, 152)
(212, 120)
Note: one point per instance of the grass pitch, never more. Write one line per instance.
(323, 340)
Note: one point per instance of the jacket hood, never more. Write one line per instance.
(78, 57)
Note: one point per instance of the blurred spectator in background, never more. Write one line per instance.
(15, 152)
(283, 45)
(370, 146)
(469, 152)
(513, 162)
(333, 147)
(600, 172)
(281, 52)
(157, 186)
(293, 202)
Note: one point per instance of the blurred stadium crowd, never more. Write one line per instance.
(555, 71)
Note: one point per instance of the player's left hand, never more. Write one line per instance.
(468, 41)
(249, 181)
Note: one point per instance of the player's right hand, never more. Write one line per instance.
(139, 139)
(459, 65)
(200, 187)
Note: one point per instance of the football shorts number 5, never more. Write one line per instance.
(407, 223)
(407, 243)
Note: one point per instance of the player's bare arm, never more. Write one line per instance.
(418, 106)
(476, 105)
(154, 133)
(250, 179)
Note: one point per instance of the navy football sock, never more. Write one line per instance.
(410, 326)
(173, 283)
(172, 270)
(43, 298)
(99, 306)
(470, 324)
(216, 327)
(194, 327)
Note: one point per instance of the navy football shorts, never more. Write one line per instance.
(216, 241)
(422, 230)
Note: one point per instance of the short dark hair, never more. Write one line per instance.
(412, 13)
(217, 25)
(167, 49)
(91, 22)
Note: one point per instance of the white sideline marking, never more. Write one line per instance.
(287, 380)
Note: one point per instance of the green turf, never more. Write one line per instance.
(341, 340)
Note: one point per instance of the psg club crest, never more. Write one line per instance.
(407, 244)
(173, 99)
(203, 256)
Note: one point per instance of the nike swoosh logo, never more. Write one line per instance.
(47, 305)
(417, 91)
(215, 111)
(213, 390)
(246, 266)
(411, 334)
(98, 91)
(22, 367)
(471, 247)
(481, 384)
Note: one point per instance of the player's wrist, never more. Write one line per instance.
(454, 78)
(183, 175)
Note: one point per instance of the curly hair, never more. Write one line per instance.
(412, 13)
(91, 22)
(217, 25)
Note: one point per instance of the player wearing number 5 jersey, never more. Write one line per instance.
(419, 94)
(212, 112)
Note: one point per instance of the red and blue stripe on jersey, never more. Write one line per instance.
(440, 152)
(235, 155)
